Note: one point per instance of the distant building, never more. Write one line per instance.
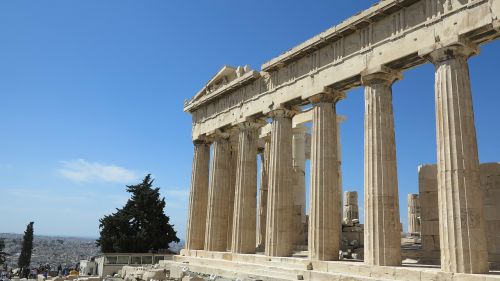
(109, 264)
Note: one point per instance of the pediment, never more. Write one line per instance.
(224, 76)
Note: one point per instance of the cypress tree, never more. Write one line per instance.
(3, 255)
(26, 249)
(141, 226)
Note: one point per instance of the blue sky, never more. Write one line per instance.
(91, 97)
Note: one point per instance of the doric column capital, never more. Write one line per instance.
(200, 141)
(222, 134)
(283, 112)
(252, 124)
(331, 96)
(452, 52)
(443, 51)
(380, 75)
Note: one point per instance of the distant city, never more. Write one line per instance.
(56, 250)
(51, 250)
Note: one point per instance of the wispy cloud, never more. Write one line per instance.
(177, 193)
(176, 198)
(80, 170)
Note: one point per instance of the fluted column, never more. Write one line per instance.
(382, 224)
(245, 200)
(351, 211)
(264, 171)
(233, 146)
(324, 217)
(461, 218)
(299, 183)
(413, 213)
(279, 232)
(218, 196)
(198, 196)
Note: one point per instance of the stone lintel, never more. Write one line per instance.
(306, 117)
(380, 74)
(334, 33)
(302, 118)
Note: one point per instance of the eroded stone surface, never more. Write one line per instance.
(382, 225)
(428, 188)
(324, 225)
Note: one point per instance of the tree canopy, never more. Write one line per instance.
(26, 249)
(140, 226)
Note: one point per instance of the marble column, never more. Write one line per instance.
(351, 210)
(198, 196)
(382, 224)
(324, 217)
(340, 119)
(461, 218)
(233, 146)
(264, 171)
(299, 183)
(218, 196)
(245, 201)
(413, 214)
(279, 226)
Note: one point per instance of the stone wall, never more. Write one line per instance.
(490, 185)
(429, 215)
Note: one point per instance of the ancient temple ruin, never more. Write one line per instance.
(241, 113)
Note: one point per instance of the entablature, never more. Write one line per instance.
(390, 34)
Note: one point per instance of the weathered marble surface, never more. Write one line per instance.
(392, 33)
(428, 191)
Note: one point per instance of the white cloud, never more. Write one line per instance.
(80, 170)
(177, 193)
(176, 198)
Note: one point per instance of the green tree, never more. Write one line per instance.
(26, 249)
(140, 226)
(3, 255)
